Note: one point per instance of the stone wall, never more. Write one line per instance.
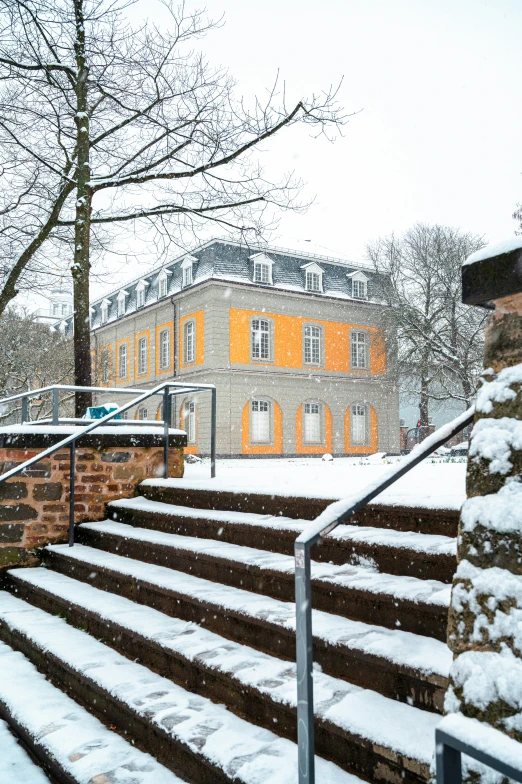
(34, 506)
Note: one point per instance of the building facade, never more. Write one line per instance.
(294, 344)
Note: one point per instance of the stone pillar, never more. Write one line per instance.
(485, 621)
(34, 506)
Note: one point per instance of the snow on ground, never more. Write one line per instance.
(434, 483)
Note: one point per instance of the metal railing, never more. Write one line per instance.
(335, 514)
(167, 390)
(450, 748)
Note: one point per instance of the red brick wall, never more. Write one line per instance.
(34, 507)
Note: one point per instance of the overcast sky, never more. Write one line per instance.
(437, 84)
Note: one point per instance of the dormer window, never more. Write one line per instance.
(359, 285)
(140, 293)
(313, 277)
(162, 285)
(187, 278)
(104, 317)
(122, 299)
(262, 269)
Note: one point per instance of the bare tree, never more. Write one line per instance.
(120, 125)
(440, 340)
(32, 356)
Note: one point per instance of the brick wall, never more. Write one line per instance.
(34, 506)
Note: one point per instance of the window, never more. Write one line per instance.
(104, 312)
(312, 423)
(312, 345)
(190, 422)
(56, 309)
(359, 289)
(189, 342)
(162, 286)
(164, 349)
(313, 281)
(261, 272)
(359, 427)
(121, 303)
(142, 413)
(359, 350)
(260, 422)
(105, 366)
(261, 339)
(187, 275)
(142, 356)
(65, 310)
(140, 297)
(122, 361)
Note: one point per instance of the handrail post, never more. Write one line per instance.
(213, 417)
(304, 664)
(166, 426)
(55, 406)
(448, 761)
(25, 410)
(72, 471)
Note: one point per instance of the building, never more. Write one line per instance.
(294, 344)
(60, 308)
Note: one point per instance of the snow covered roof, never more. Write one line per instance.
(226, 260)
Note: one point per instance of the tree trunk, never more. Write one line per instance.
(81, 266)
(424, 404)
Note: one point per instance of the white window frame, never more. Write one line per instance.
(261, 347)
(359, 432)
(164, 349)
(316, 409)
(162, 285)
(143, 355)
(189, 342)
(313, 281)
(312, 345)
(359, 285)
(104, 311)
(56, 308)
(123, 361)
(143, 413)
(187, 276)
(140, 293)
(257, 406)
(189, 417)
(263, 269)
(356, 346)
(122, 300)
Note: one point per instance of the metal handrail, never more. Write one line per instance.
(334, 515)
(163, 389)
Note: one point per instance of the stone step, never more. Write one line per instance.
(16, 766)
(73, 746)
(182, 492)
(426, 556)
(404, 666)
(205, 741)
(357, 592)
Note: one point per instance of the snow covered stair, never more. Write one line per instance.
(185, 635)
(16, 766)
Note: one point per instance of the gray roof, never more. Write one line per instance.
(226, 260)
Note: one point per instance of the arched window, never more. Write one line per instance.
(189, 342)
(261, 339)
(312, 430)
(143, 354)
(142, 413)
(190, 421)
(122, 361)
(164, 349)
(260, 422)
(359, 425)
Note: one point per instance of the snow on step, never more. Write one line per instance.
(425, 654)
(405, 729)
(432, 544)
(80, 743)
(250, 753)
(16, 766)
(362, 578)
